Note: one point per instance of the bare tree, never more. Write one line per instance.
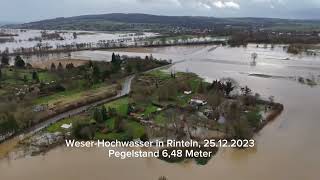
(254, 57)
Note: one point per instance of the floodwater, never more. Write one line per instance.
(287, 149)
(26, 38)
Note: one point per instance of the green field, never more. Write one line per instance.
(121, 106)
(56, 127)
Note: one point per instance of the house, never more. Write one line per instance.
(40, 108)
(187, 92)
(66, 126)
(198, 100)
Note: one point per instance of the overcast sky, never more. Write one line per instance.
(31, 10)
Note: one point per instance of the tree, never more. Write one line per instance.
(35, 76)
(115, 62)
(215, 99)
(118, 124)
(5, 59)
(0, 76)
(129, 68)
(69, 66)
(75, 36)
(113, 58)
(25, 79)
(53, 67)
(246, 91)
(19, 62)
(201, 88)
(60, 67)
(104, 113)
(90, 64)
(96, 75)
(138, 66)
(97, 115)
(254, 56)
(228, 88)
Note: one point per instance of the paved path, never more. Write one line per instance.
(126, 88)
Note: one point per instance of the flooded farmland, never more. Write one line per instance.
(286, 149)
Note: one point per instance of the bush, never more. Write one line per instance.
(83, 130)
(254, 118)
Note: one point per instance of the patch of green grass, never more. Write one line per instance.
(160, 119)
(121, 106)
(16, 76)
(132, 130)
(254, 117)
(183, 100)
(136, 129)
(150, 109)
(56, 127)
(74, 94)
(110, 123)
(159, 74)
(47, 77)
(112, 136)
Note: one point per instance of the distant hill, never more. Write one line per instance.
(3, 23)
(123, 22)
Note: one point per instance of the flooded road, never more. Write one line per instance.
(287, 149)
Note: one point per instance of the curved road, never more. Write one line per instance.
(126, 88)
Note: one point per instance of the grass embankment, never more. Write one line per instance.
(62, 101)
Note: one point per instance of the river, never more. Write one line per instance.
(287, 148)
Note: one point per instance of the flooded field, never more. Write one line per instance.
(33, 38)
(286, 149)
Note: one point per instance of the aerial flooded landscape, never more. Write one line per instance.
(164, 97)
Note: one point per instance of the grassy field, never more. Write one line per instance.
(121, 106)
(56, 127)
(76, 96)
(159, 74)
(160, 119)
(132, 128)
(24, 76)
(150, 109)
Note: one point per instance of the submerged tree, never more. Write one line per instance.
(5, 59)
(19, 62)
(254, 57)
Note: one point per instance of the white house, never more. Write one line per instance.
(66, 126)
(198, 100)
(187, 92)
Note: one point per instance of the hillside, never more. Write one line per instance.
(123, 22)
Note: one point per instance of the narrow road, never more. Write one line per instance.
(126, 88)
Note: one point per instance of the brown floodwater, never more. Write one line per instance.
(287, 149)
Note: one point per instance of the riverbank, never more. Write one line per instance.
(284, 139)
